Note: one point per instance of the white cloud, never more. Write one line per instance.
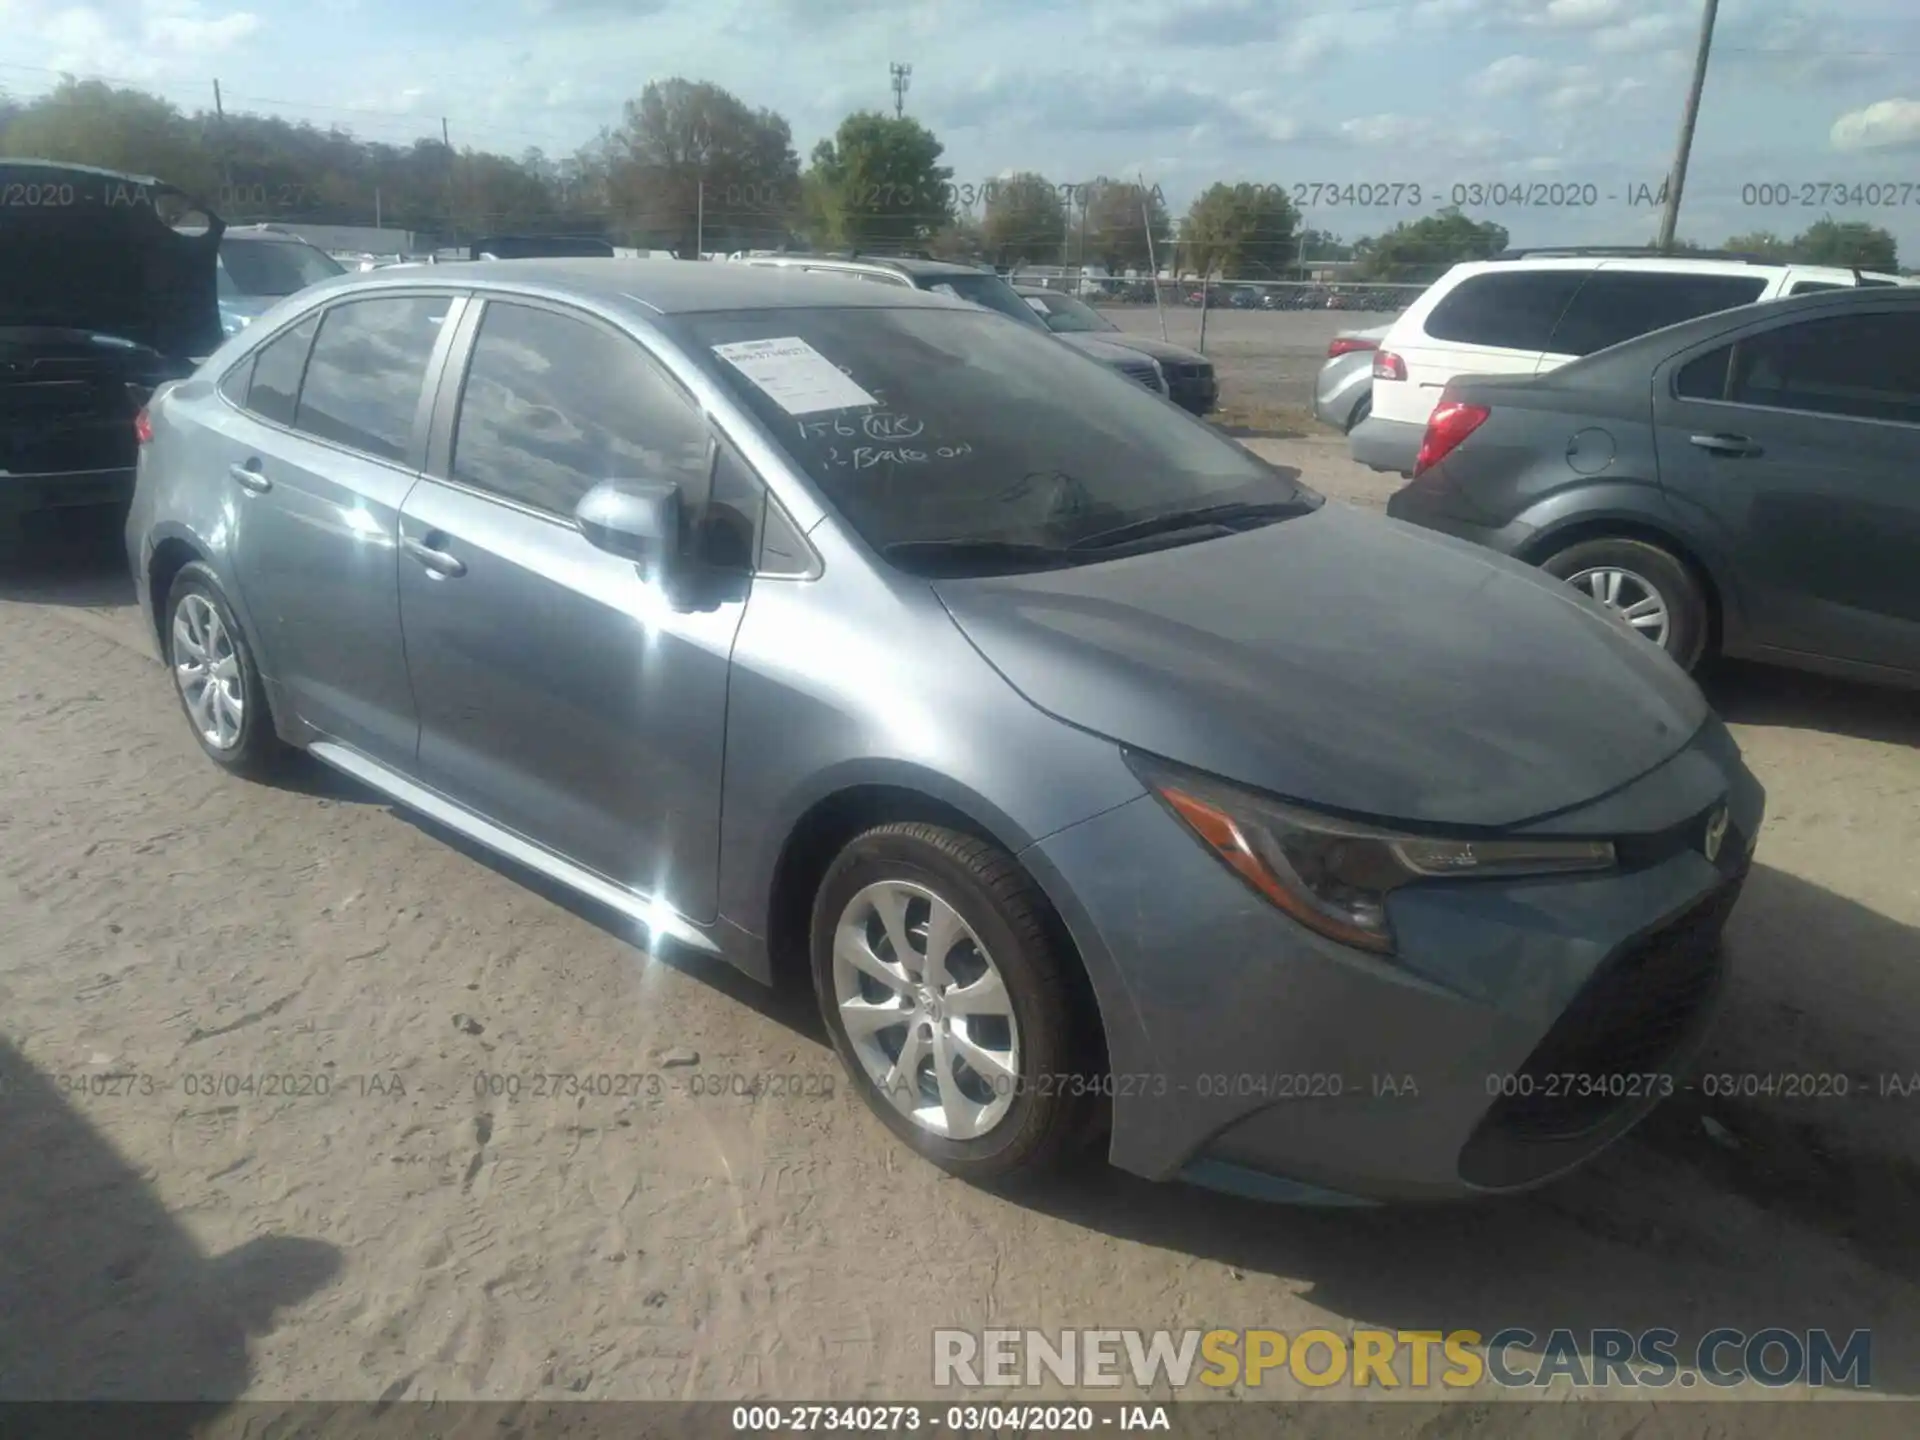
(1884, 125)
(1511, 75)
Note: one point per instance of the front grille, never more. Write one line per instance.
(1626, 1023)
(1143, 374)
(1194, 372)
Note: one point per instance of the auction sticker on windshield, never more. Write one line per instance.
(795, 376)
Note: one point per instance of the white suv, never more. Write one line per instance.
(1530, 311)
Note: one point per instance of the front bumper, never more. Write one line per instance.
(1390, 445)
(1274, 1062)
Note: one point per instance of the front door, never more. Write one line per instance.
(1796, 449)
(562, 694)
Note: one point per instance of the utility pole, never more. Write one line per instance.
(448, 143)
(1153, 265)
(1677, 180)
(226, 159)
(902, 75)
(700, 218)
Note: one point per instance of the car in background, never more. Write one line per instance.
(1190, 378)
(260, 266)
(1343, 390)
(1745, 484)
(975, 286)
(851, 625)
(1530, 311)
(537, 247)
(107, 291)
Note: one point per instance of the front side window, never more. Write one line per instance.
(274, 388)
(555, 405)
(989, 292)
(1514, 310)
(932, 427)
(363, 381)
(1619, 305)
(1067, 316)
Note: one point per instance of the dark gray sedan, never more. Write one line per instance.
(1745, 484)
(1191, 383)
(1103, 781)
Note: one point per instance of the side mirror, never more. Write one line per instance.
(637, 520)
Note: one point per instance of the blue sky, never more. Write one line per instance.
(1510, 93)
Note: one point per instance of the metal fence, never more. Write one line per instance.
(1235, 294)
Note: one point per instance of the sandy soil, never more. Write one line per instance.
(217, 1226)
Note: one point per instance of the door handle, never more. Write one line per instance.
(438, 561)
(249, 478)
(1734, 445)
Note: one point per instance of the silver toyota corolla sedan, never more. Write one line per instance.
(1109, 786)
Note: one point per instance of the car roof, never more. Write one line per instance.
(903, 264)
(665, 287)
(67, 168)
(264, 232)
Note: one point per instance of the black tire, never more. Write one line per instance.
(1689, 625)
(1360, 412)
(258, 752)
(1056, 1097)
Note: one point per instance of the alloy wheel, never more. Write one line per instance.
(926, 1010)
(1631, 597)
(208, 672)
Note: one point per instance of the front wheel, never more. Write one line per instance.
(948, 997)
(1650, 589)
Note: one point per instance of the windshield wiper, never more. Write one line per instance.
(973, 553)
(1229, 515)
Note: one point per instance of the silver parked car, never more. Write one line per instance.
(1102, 779)
(1343, 390)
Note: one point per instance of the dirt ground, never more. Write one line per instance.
(315, 1184)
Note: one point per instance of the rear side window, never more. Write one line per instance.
(1809, 287)
(554, 405)
(1863, 366)
(277, 367)
(363, 382)
(1511, 311)
(1618, 305)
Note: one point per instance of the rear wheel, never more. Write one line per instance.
(1652, 590)
(1360, 412)
(947, 995)
(216, 678)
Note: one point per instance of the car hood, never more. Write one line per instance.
(1101, 349)
(102, 254)
(1165, 351)
(1347, 662)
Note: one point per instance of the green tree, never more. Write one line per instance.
(1851, 243)
(92, 123)
(1425, 249)
(1118, 216)
(1763, 243)
(691, 164)
(1242, 232)
(1025, 221)
(1323, 245)
(962, 240)
(878, 183)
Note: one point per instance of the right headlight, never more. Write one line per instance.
(1334, 875)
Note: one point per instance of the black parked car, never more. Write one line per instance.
(1746, 483)
(1190, 378)
(107, 288)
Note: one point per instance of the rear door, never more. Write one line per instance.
(1796, 450)
(325, 447)
(1494, 323)
(1619, 303)
(562, 695)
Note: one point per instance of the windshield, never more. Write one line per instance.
(1067, 316)
(987, 291)
(922, 425)
(272, 267)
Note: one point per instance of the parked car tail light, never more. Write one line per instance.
(142, 426)
(1450, 423)
(1388, 366)
(1347, 344)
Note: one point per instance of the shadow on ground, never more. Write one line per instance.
(1749, 694)
(103, 1294)
(68, 557)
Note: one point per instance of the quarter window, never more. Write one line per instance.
(363, 383)
(277, 366)
(1515, 310)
